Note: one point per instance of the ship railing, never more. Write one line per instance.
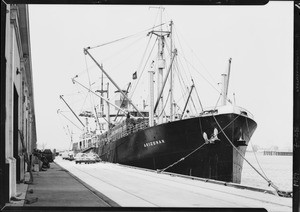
(227, 109)
(134, 128)
(248, 113)
(129, 129)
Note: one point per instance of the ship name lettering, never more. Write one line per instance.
(154, 143)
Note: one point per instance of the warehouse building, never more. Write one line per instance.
(17, 114)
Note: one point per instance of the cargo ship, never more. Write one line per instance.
(209, 144)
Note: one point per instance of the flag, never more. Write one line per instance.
(134, 76)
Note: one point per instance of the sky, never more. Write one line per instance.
(259, 39)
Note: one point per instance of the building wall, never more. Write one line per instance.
(19, 118)
(4, 177)
(9, 106)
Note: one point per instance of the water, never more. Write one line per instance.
(279, 169)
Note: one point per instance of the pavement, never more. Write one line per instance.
(56, 187)
(67, 186)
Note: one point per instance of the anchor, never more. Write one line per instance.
(241, 141)
(213, 139)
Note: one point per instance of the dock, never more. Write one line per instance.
(278, 153)
(113, 185)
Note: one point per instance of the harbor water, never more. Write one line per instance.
(278, 169)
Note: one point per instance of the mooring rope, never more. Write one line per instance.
(270, 183)
(181, 159)
(254, 151)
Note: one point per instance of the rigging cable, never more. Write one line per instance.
(181, 75)
(194, 86)
(202, 76)
(71, 121)
(205, 79)
(194, 104)
(182, 83)
(198, 96)
(192, 52)
(65, 128)
(155, 16)
(144, 54)
(254, 152)
(61, 122)
(217, 101)
(182, 53)
(110, 42)
(188, 107)
(189, 74)
(187, 62)
(143, 69)
(166, 102)
(185, 72)
(280, 193)
(84, 102)
(73, 94)
(162, 170)
(91, 98)
(120, 51)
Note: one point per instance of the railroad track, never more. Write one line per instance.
(113, 185)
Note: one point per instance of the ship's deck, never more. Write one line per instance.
(133, 187)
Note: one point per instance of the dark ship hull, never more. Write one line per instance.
(159, 146)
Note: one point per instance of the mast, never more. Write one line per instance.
(226, 83)
(151, 91)
(160, 92)
(171, 74)
(108, 106)
(161, 66)
(101, 100)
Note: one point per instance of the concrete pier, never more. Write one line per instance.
(131, 187)
(67, 184)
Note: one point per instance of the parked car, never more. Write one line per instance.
(81, 158)
(86, 158)
(64, 155)
(71, 156)
(48, 154)
(94, 157)
(68, 155)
